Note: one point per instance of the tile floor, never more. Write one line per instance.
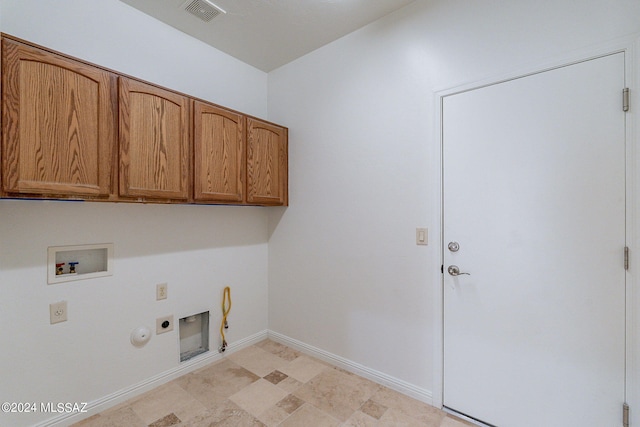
(269, 384)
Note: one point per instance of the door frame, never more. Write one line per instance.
(630, 46)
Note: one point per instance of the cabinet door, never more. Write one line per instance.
(219, 161)
(59, 124)
(266, 163)
(154, 142)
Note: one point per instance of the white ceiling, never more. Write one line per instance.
(271, 33)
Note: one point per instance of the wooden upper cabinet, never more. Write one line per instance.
(59, 124)
(154, 142)
(74, 130)
(219, 154)
(267, 180)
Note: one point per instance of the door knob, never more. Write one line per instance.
(454, 270)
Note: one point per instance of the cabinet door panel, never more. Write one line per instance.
(154, 142)
(59, 122)
(219, 154)
(266, 163)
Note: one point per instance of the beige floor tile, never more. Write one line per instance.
(279, 350)
(216, 383)
(308, 416)
(275, 377)
(228, 373)
(303, 368)
(166, 421)
(373, 409)
(273, 416)
(290, 404)
(395, 418)
(164, 400)
(226, 414)
(92, 420)
(258, 361)
(258, 397)
(337, 392)
(122, 417)
(208, 394)
(360, 419)
(290, 384)
(408, 406)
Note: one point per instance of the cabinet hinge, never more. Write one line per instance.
(625, 415)
(625, 99)
(626, 257)
(442, 269)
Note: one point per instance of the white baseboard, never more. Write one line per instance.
(393, 383)
(130, 392)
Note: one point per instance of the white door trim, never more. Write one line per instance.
(631, 48)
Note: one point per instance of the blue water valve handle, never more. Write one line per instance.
(72, 266)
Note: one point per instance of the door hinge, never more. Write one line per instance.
(625, 99)
(626, 257)
(625, 415)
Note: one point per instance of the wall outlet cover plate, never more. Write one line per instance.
(161, 291)
(58, 312)
(164, 324)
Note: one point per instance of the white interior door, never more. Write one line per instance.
(534, 196)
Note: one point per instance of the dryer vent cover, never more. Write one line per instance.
(203, 9)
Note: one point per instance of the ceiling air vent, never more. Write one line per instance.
(203, 9)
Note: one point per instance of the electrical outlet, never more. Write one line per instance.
(161, 291)
(58, 312)
(164, 324)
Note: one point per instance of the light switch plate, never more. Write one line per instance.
(422, 236)
(58, 312)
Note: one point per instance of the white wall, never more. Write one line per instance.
(114, 35)
(197, 250)
(345, 274)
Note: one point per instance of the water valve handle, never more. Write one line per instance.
(59, 268)
(72, 266)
